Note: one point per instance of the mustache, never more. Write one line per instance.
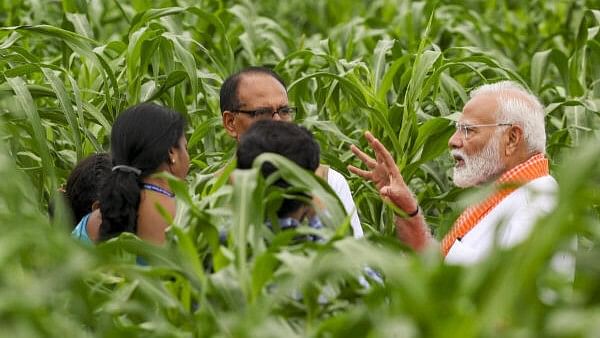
(456, 153)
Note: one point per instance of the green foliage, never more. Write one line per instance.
(398, 68)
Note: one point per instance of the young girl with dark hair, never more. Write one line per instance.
(146, 139)
(82, 190)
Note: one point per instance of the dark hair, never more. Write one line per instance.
(229, 90)
(286, 139)
(84, 184)
(141, 138)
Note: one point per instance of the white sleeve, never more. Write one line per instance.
(339, 184)
(539, 202)
(535, 200)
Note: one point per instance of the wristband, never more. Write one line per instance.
(414, 213)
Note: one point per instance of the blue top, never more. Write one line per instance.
(80, 231)
(285, 223)
(292, 223)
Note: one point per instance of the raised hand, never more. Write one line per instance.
(386, 176)
(384, 173)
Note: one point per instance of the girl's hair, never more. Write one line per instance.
(141, 138)
(84, 184)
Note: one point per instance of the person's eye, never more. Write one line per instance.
(466, 127)
(287, 110)
(263, 111)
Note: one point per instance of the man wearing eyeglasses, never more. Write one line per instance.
(258, 93)
(500, 139)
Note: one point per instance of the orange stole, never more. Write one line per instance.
(535, 167)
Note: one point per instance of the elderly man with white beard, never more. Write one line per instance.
(500, 139)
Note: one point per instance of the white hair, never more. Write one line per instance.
(517, 105)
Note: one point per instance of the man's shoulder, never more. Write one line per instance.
(335, 176)
(544, 183)
(540, 190)
(337, 182)
(323, 171)
(542, 193)
(331, 176)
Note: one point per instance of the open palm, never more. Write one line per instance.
(384, 173)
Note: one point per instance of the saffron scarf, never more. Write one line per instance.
(535, 167)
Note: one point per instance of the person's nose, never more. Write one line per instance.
(455, 140)
(276, 116)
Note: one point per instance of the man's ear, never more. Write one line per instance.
(514, 139)
(229, 123)
(95, 205)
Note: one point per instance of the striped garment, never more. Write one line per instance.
(535, 167)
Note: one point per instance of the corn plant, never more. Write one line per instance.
(400, 68)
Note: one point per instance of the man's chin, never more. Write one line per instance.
(461, 181)
(463, 184)
(464, 181)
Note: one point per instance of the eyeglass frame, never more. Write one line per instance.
(465, 127)
(263, 112)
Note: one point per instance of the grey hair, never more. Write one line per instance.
(517, 105)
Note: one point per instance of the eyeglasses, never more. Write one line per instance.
(467, 129)
(286, 113)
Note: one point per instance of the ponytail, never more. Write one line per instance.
(140, 141)
(119, 204)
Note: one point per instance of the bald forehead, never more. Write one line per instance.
(258, 77)
(504, 94)
(481, 109)
(262, 89)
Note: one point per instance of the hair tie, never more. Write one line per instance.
(127, 169)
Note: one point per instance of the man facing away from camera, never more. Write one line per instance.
(500, 139)
(258, 93)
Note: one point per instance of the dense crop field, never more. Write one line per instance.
(401, 69)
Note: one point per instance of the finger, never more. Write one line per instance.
(384, 156)
(373, 141)
(385, 192)
(359, 172)
(366, 159)
(381, 153)
(370, 138)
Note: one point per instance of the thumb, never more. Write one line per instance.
(386, 192)
(393, 196)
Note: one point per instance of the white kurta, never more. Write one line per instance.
(509, 223)
(339, 184)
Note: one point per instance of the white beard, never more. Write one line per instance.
(479, 168)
